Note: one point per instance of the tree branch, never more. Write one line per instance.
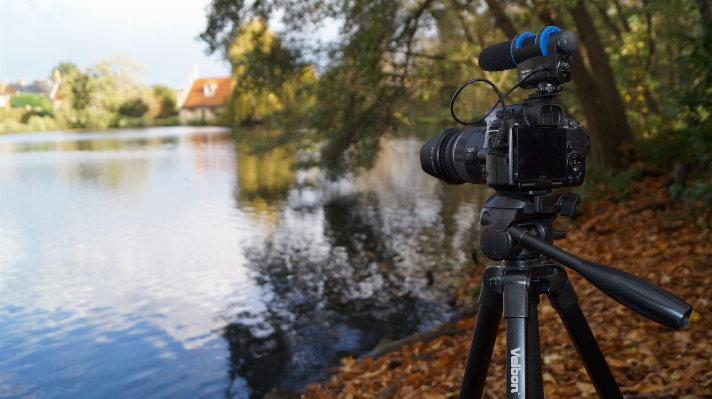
(651, 42)
(608, 21)
(463, 22)
(501, 20)
(621, 15)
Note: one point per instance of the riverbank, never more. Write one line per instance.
(642, 232)
(46, 124)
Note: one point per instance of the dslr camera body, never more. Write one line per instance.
(527, 146)
(535, 148)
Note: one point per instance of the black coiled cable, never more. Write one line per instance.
(500, 100)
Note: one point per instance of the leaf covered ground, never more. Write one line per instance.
(669, 244)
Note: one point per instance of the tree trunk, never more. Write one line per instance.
(610, 112)
(501, 20)
(706, 11)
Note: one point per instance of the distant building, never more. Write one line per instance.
(39, 86)
(22, 87)
(45, 87)
(205, 99)
(5, 92)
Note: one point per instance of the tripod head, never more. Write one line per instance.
(534, 210)
(519, 226)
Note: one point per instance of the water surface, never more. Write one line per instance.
(170, 262)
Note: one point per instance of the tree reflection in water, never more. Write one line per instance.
(343, 270)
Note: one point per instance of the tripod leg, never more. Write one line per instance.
(566, 303)
(536, 381)
(488, 317)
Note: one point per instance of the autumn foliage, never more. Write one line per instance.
(669, 244)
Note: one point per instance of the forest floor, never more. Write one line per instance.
(667, 243)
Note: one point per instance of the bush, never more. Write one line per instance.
(37, 102)
(697, 189)
(167, 99)
(170, 121)
(19, 121)
(129, 122)
(135, 108)
(12, 126)
(602, 183)
(197, 122)
(15, 114)
(691, 150)
(38, 123)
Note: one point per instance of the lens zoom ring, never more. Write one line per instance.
(443, 153)
(458, 156)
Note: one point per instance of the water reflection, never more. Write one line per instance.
(169, 261)
(118, 262)
(263, 182)
(347, 264)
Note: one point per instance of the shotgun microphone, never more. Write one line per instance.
(506, 55)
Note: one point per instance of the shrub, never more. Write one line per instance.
(691, 149)
(37, 102)
(134, 108)
(170, 121)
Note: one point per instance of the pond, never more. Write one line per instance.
(169, 262)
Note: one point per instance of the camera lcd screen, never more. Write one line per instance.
(541, 153)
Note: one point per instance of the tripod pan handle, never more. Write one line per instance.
(632, 292)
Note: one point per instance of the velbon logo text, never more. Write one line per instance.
(515, 366)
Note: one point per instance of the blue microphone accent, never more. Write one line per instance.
(542, 38)
(520, 38)
(517, 43)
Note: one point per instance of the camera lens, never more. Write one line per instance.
(452, 156)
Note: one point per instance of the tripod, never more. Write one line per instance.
(517, 229)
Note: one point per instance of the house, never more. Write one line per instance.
(5, 92)
(45, 87)
(204, 99)
(23, 87)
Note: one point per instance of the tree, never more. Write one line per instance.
(167, 100)
(76, 86)
(134, 108)
(117, 79)
(267, 76)
(358, 94)
(76, 92)
(92, 99)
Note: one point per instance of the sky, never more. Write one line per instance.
(35, 36)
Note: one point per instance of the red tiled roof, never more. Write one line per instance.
(7, 89)
(197, 98)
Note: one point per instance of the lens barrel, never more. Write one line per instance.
(452, 156)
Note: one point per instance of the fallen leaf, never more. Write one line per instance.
(650, 361)
(650, 388)
(428, 394)
(349, 388)
(586, 388)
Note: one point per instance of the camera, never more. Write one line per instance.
(535, 147)
(526, 146)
